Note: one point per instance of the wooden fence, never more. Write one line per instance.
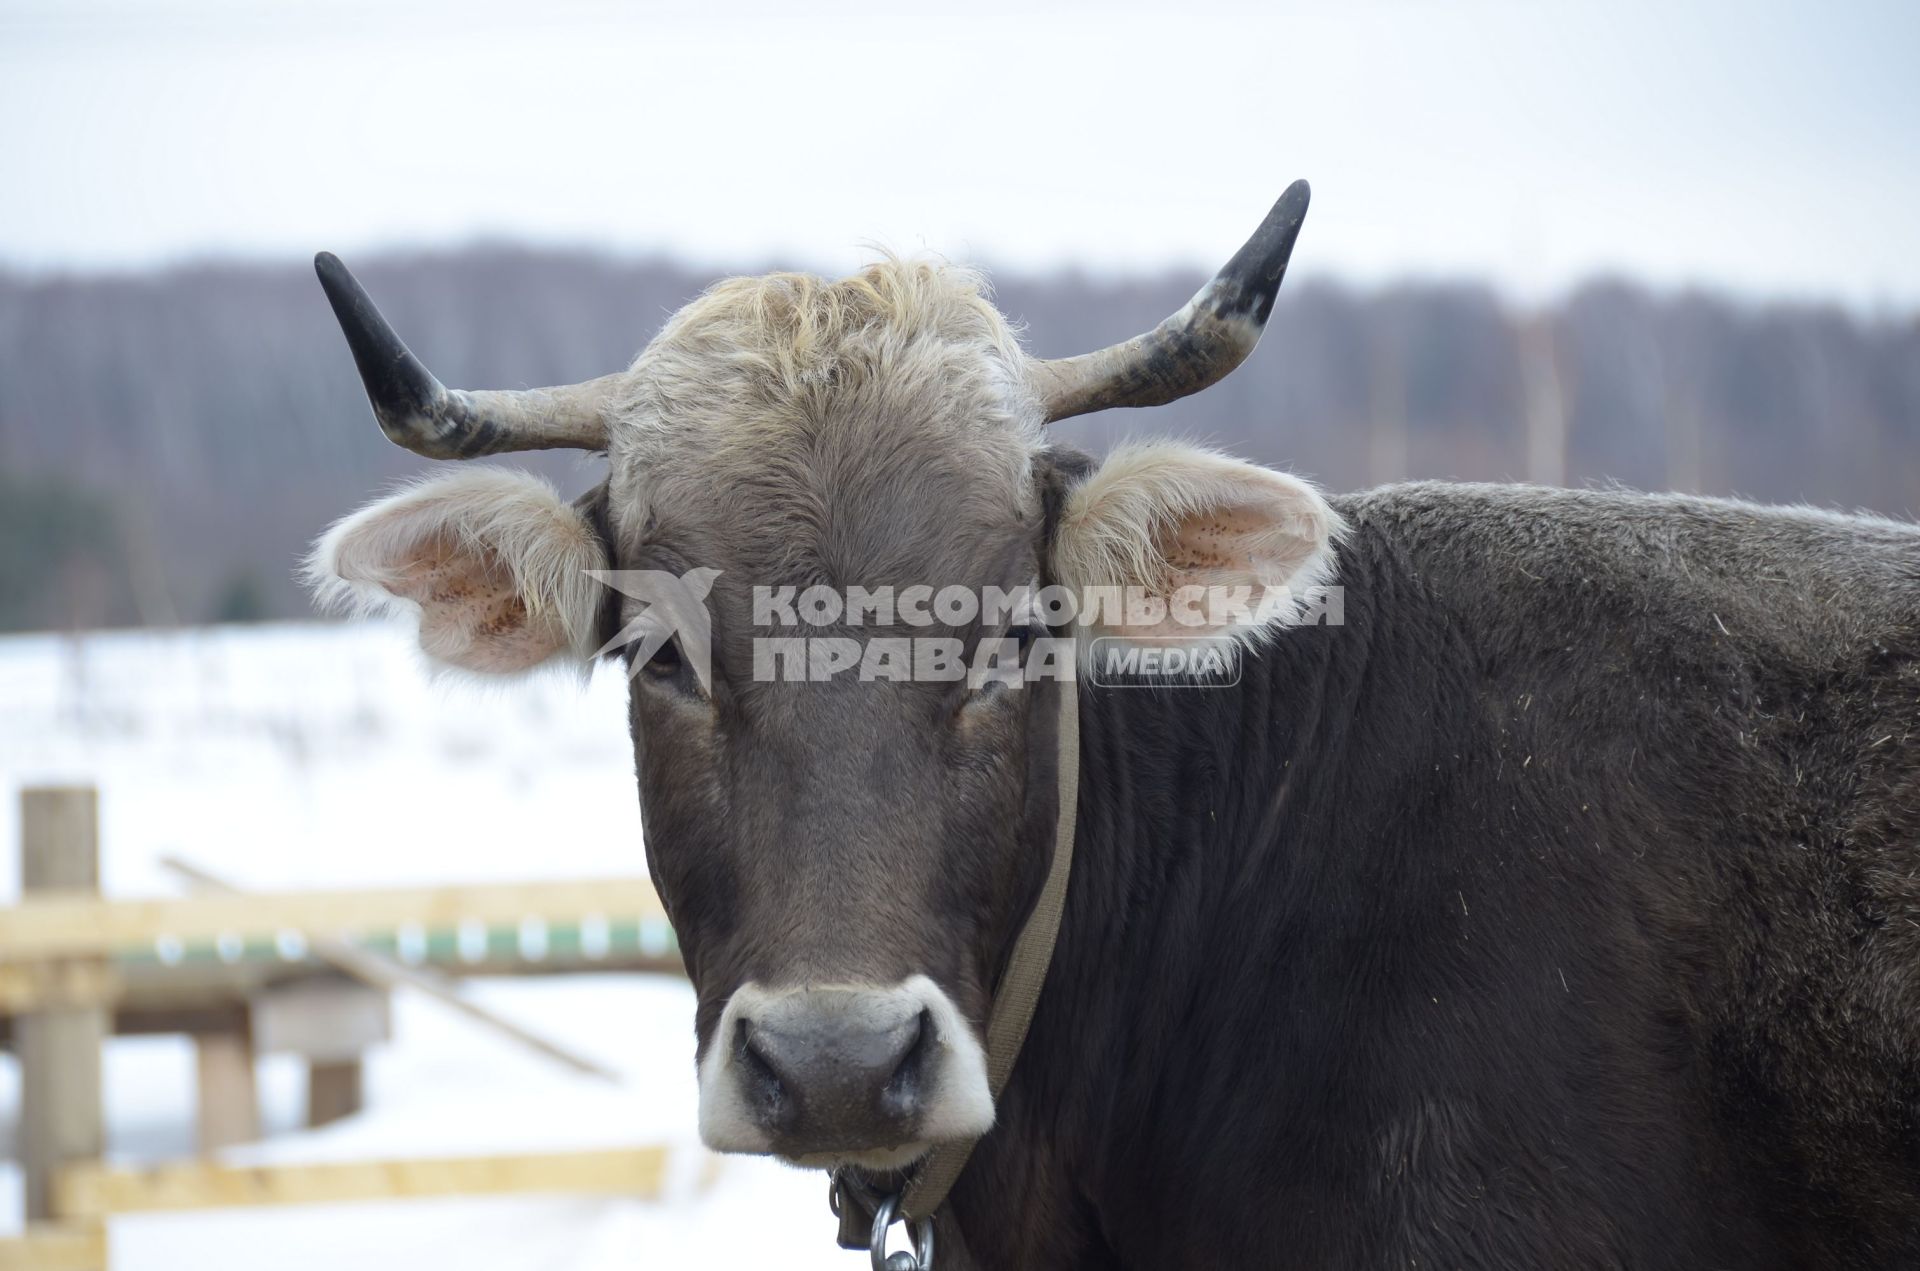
(301, 972)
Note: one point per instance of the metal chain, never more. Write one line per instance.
(921, 1259)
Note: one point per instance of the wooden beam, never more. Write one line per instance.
(383, 972)
(62, 1117)
(226, 1096)
(150, 997)
(93, 1192)
(54, 1247)
(30, 986)
(212, 1015)
(76, 922)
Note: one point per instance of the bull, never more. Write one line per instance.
(1558, 905)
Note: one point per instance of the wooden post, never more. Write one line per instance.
(334, 1090)
(227, 1103)
(58, 1044)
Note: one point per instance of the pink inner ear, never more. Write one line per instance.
(1233, 545)
(1230, 546)
(471, 612)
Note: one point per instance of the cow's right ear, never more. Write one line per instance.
(494, 562)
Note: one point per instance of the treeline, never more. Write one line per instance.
(169, 443)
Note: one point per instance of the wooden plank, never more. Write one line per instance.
(77, 922)
(54, 1247)
(226, 1015)
(227, 1099)
(92, 1192)
(149, 997)
(156, 986)
(62, 1118)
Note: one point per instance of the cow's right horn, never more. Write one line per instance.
(1196, 346)
(417, 411)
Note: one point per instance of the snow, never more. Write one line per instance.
(326, 756)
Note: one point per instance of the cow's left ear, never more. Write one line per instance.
(1212, 545)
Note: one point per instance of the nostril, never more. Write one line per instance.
(761, 1081)
(901, 1094)
(747, 1050)
(922, 1041)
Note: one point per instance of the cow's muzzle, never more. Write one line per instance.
(870, 1075)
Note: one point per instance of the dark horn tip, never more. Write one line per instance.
(332, 272)
(1257, 269)
(401, 390)
(338, 282)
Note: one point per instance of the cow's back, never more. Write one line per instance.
(1729, 696)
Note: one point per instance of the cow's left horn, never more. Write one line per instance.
(417, 411)
(1196, 346)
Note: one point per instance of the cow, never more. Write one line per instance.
(1549, 898)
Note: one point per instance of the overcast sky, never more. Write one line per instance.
(1771, 149)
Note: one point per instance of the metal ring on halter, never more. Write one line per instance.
(834, 1183)
(921, 1259)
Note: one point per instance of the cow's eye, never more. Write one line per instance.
(665, 662)
(1021, 637)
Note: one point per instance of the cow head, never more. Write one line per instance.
(846, 857)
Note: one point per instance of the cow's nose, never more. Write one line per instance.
(858, 1072)
(832, 1077)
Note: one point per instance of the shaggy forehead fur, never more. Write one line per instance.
(873, 429)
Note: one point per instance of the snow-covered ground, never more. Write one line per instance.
(310, 756)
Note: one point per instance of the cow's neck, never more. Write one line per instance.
(1201, 813)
